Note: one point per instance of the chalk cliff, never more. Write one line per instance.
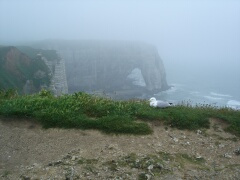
(29, 70)
(130, 68)
(56, 67)
(21, 72)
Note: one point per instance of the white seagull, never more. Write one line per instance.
(159, 104)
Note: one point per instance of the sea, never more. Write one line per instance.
(199, 94)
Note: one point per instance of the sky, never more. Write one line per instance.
(195, 39)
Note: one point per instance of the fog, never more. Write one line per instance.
(199, 41)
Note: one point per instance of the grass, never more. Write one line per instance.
(84, 111)
(5, 174)
(147, 164)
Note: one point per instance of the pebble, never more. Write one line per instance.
(148, 176)
(175, 139)
(227, 155)
(73, 158)
(237, 151)
(111, 147)
(221, 145)
(150, 167)
(198, 156)
(199, 131)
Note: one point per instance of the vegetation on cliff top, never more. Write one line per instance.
(84, 111)
(17, 67)
(51, 55)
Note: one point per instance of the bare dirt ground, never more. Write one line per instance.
(29, 152)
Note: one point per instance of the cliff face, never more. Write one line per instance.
(19, 71)
(28, 70)
(58, 81)
(111, 66)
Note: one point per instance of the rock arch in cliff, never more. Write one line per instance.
(110, 66)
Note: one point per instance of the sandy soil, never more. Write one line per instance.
(29, 152)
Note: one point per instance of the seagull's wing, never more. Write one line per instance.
(162, 104)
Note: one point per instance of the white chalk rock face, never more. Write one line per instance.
(111, 66)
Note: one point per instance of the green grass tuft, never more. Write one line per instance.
(84, 111)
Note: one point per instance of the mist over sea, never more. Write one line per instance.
(205, 76)
(198, 93)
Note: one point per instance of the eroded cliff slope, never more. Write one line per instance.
(22, 72)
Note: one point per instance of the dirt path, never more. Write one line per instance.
(29, 152)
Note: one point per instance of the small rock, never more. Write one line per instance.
(111, 147)
(29, 167)
(221, 145)
(198, 156)
(67, 157)
(55, 163)
(174, 169)
(159, 166)
(148, 176)
(175, 139)
(36, 165)
(237, 151)
(73, 158)
(199, 131)
(150, 167)
(227, 155)
(25, 177)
